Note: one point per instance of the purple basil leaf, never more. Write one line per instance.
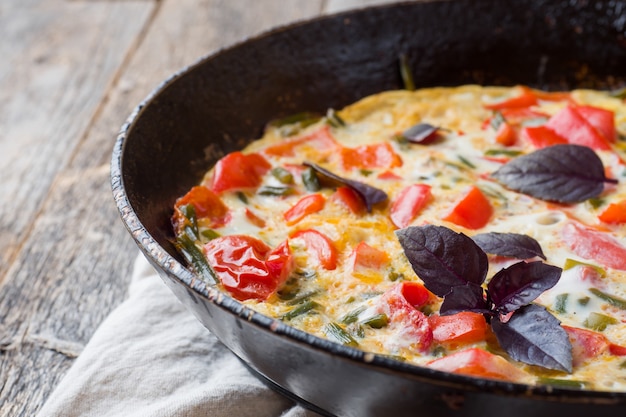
(561, 173)
(468, 297)
(443, 258)
(370, 195)
(520, 284)
(420, 133)
(534, 336)
(512, 245)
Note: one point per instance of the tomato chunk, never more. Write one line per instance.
(603, 120)
(207, 205)
(541, 136)
(461, 328)
(506, 135)
(479, 363)
(472, 211)
(349, 198)
(586, 344)
(400, 304)
(614, 213)
(410, 201)
(308, 204)
(365, 256)
(247, 267)
(320, 139)
(237, 171)
(595, 245)
(320, 246)
(574, 128)
(378, 155)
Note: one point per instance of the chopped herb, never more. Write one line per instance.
(584, 301)
(595, 202)
(599, 322)
(282, 175)
(242, 197)
(466, 162)
(503, 152)
(310, 180)
(366, 172)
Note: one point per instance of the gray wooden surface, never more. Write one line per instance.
(70, 73)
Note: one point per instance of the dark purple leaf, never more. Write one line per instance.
(561, 173)
(420, 133)
(468, 297)
(534, 336)
(370, 195)
(520, 284)
(512, 245)
(443, 258)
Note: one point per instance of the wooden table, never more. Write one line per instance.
(70, 73)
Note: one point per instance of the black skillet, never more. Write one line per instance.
(223, 101)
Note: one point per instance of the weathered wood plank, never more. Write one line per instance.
(73, 267)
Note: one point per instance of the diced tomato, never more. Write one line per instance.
(365, 256)
(320, 246)
(349, 198)
(308, 204)
(506, 135)
(207, 205)
(409, 202)
(617, 350)
(400, 304)
(389, 175)
(541, 136)
(254, 219)
(247, 267)
(472, 211)
(378, 155)
(574, 128)
(320, 139)
(603, 120)
(526, 99)
(614, 213)
(595, 245)
(479, 363)
(237, 171)
(461, 328)
(586, 344)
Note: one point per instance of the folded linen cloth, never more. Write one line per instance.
(151, 357)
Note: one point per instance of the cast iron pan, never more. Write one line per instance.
(223, 101)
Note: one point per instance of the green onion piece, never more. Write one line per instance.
(300, 310)
(439, 352)
(303, 118)
(195, 257)
(366, 172)
(305, 296)
(395, 276)
(595, 202)
(497, 120)
(282, 175)
(357, 331)
(377, 321)
(611, 299)
(242, 197)
(503, 152)
(572, 263)
(466, 162)
(209, 234)
(565, 383)
(352, 316)
(310, 180)
(337, 332)
(560, 303)
(599, 322)
(584, 301)
(189, 211)
(333, 119)
(406, 73)
(622, 365)
(275, 191)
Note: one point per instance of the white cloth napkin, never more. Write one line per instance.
(151, 357)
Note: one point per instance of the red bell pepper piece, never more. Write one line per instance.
(308, 204)
(349, 198)
(237, 171)
(472, 211)
(506, 135)
(207, 205)
(573, 127)
(541, 136)
(596, 245)
(601, 119)
(320, 139)
(365, 256)
(614, 213)
(378, 155)
(409, 202)
(526, 99)
(320, 246)
(479, 363)
(247, 267)
(461, 328)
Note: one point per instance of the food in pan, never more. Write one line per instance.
(476, 230)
